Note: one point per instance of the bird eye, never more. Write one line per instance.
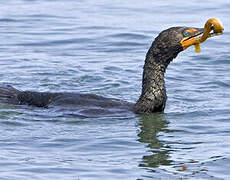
(186, 33)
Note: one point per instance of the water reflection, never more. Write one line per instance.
(150, 127)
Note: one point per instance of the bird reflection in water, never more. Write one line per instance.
(150, 127)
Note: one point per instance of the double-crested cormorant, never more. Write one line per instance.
(163, 50)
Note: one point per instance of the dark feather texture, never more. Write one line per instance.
(153, 96)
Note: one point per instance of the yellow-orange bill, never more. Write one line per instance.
(213, 27)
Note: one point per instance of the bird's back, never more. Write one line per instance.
(84, 103)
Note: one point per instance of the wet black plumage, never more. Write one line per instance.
(153, 96)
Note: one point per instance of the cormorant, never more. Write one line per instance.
(163, 50)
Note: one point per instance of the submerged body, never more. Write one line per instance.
(163, 50)
(85, 103)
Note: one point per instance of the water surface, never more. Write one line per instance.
(99, 47)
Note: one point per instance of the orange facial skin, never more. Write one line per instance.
(212, 25)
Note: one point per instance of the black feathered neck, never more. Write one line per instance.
(162, 51)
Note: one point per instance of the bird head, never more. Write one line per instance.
(172, 41)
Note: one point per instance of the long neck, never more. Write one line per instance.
(153, 97)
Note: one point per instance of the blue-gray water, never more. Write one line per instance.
(99, 47)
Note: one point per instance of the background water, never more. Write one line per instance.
(99, 47)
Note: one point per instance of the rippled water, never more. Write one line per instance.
(99, 47)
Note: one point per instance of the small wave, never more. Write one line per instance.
(8, 20)
(128, 36)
